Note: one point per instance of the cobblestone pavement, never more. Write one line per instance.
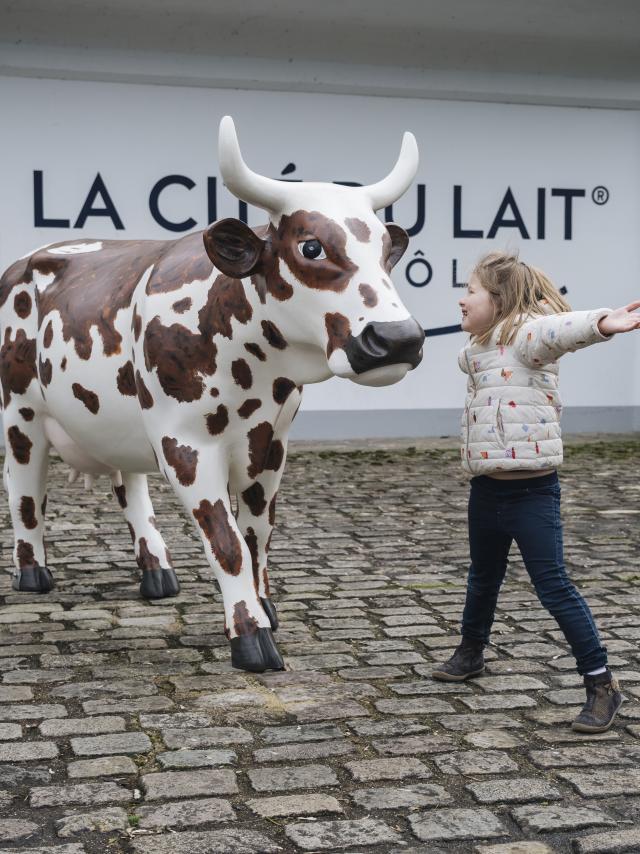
(124, 729)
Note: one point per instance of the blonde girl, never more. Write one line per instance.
(519, 326)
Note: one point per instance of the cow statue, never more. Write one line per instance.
(189, 356)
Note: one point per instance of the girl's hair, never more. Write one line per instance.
(517, 292)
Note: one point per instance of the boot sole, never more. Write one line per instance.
(591, 729)
(443, 676)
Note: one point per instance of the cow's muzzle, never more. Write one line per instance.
(395, 342)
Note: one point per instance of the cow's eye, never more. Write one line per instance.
(312, 249)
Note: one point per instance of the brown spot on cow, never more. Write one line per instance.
(182, 305)
(241, 373)
(47, 338)
(21, 445)
(180, 356)
(28, 512)
(225, 545)
(17, 274)
(331, 273)
(90, 288)
(121, 494)
(22, 304)
(126, 380)
(226, 301)
(243, 622)
(256, 350)
(182, 458)
(218, 420)
(252, 543)
(136, 323)
(63, 364)
(338, 330)
(144, 395)
(45, 369)
(183, 261)
(273, 335)
(358, 228)
(27, 413)
(214, 392)
(265, 453)
(249, 407)
(260, 285)
(17, 364)
(254, 498)
(26, 558)
(145, 558)
(282, 388)
(89, 398)
(369, 295)
(272, 510)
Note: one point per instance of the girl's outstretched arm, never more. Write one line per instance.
(544, 339)
(624, 319)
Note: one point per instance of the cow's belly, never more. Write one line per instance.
(111, 441)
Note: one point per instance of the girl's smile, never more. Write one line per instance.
(478, 308)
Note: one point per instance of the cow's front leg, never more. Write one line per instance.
(256, 517)
(152, 555)
(25, 479)
(200, 480)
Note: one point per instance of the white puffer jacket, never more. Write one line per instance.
(511, 418)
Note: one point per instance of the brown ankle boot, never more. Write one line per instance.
(603, 701)
(466, 661)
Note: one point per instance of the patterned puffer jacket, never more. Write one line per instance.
(511, 418)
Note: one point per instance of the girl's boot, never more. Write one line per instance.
(603, 701)
(466, 661)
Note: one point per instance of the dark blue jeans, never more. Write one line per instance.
(527, 511)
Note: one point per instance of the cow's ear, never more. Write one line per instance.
(233, 247)
(399, 243)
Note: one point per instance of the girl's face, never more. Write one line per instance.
(478, 309)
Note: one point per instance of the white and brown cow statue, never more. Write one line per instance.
(190, 356)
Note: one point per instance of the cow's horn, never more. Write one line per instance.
(399, 180)
(255, 189)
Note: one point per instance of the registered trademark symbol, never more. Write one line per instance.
(600, 195)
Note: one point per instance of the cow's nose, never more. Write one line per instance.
(390, 343)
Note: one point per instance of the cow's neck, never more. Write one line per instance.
(273, 326)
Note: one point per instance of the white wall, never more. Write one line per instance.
(133, 135)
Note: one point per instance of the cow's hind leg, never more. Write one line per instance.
(25, 479)
(159, 579)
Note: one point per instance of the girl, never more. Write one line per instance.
(519, 326)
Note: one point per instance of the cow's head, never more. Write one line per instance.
(322, 267)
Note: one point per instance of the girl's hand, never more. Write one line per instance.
(621, 320)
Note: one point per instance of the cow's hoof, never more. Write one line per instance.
(270, 610)
(159, 583)
(33, 579)
(256, 653)
(270, 651)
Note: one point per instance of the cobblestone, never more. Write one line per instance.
(552, 819)
(181, 784)
(337, 835)
(186, 813)
(124, 729)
